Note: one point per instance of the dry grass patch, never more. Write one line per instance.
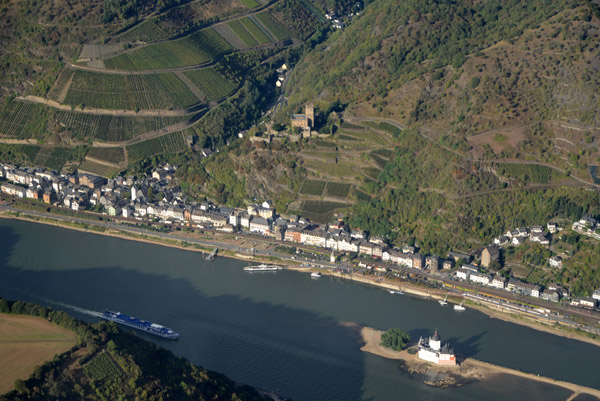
(27, 342)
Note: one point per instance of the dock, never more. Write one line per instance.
(212, 255)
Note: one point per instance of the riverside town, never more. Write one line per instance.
(154, 199)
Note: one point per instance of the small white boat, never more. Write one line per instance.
(444, 302)
(460, 307)
(316, 275)
(396, 292)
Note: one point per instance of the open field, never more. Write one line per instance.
(197, 48)
(129, 92)
(211, 83)
(26, 342)
(173, 142)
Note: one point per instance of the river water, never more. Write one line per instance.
(282, 330)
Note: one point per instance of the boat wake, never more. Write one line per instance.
(76, 308)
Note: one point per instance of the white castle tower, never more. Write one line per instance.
(432, 350)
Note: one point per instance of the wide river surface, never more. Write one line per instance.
(276, 330)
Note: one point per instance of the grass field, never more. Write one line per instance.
(197, 48)
(27, 342)
(129, 92)
(170, 143)
(312, 187)
(211, 83)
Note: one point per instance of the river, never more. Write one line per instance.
(281, 330)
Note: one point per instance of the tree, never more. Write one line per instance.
(395, 339)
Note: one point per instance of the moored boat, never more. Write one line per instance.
(444, 302)
(262, 268)
(316, 275)
(460, 307)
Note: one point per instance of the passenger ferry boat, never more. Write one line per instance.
(140, 324)
(262, 268)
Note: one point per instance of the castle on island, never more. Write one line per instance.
(432, 350)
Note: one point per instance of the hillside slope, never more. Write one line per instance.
(108, 363)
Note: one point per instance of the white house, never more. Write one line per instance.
(555, 261)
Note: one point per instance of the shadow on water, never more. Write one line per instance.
(295, 352)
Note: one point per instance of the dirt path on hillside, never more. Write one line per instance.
(110, 112)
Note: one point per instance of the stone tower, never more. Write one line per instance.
(310, 114)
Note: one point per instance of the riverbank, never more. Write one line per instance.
(469, 369)
(182, 244)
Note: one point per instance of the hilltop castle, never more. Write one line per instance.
(306, 121)
(432, 350)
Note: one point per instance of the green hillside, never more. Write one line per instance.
(110, 364)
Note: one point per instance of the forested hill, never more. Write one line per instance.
(110, 364)
(462, 66)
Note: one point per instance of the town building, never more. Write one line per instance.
(489, 255)
(555, 261)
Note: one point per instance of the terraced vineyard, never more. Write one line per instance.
(114, 155)
(237, 27)
(257, 31)
(312, 187)
(320, 211)
(337, 189)
(198, 48)
(19, 119)
(53, 157)
(112, 128)
(103, 170)
(211, 83)
(275, 27)
(147, 31)
(101, 367)
(130, 92)
(170, 143)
